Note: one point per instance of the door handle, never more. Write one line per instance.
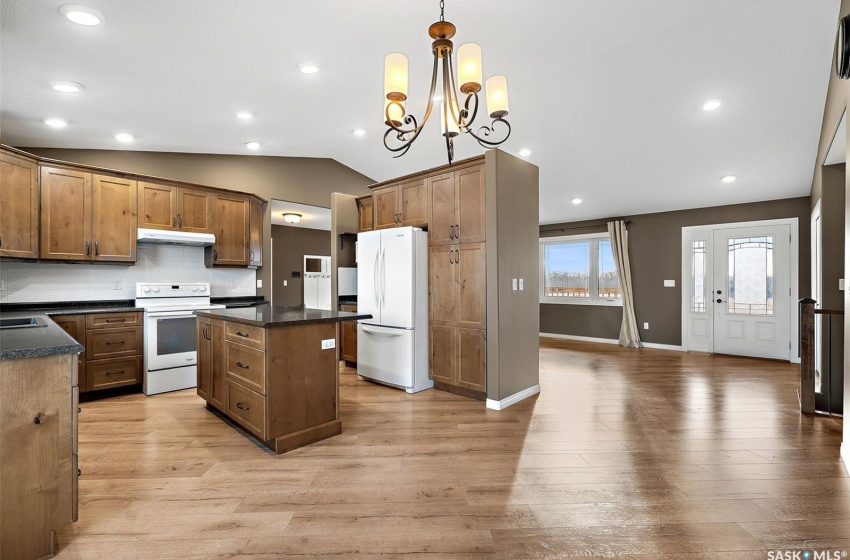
(383, 277)
(241, 365)
(243, 335)
(96, 248)
(88, 248)
(179, 220)
(451, 232)
(719, 300)
(215, 255)
(375, 281)
(457, 256)
(242, 406)
(451, 257)
(378, 333)
(174, 221)
(252, 255)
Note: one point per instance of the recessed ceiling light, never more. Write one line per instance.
(67, 87)
(359, 131)
(244, 115)
(712, 104)
(309, 67)
(576, 201)
(525, 152)
(729, 178)
(82, 15)
(55, 122)
(252, 145)
(124, 137)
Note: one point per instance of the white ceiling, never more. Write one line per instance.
(607, 94)
(312, 217)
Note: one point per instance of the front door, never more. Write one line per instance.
(751, 291)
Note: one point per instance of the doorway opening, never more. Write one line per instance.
(740, 288)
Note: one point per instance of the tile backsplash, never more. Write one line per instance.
(42, 282)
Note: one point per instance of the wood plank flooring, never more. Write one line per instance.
(645, 453)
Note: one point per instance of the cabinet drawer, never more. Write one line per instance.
(117, 372)
(245, 334)
(247, 408)
(114, 343)
(245, 366)
(110, 320)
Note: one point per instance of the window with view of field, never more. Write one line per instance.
(579, 270)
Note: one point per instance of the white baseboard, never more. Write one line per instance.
(611, 341)
(581, 338)
(513, 399)
(845, 454)
(672, 347)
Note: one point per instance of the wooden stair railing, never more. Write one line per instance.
(808, 345)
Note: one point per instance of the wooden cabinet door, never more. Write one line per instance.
(216, 332)
(114, 220)
(18, 207)
(65, 214)
(157, 206)
(442, 285)
(75, 326)
(255, 252)
(349, 341)
(442, 360)
(469, 204)
(194, 210)
(414, 203)
(231, 231)
(205, 352)
(471, 285)
(471, 359)
(441, 192)
(364, 207)
(386, 208)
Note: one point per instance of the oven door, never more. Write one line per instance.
(171, 340)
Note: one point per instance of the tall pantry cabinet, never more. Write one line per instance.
(482, 222)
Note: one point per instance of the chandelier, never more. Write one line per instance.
(404, 129)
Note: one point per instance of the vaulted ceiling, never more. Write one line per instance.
(606, 94)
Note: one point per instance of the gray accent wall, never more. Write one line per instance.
(304, 180)
(655, 248)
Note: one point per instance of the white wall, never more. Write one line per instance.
(42, 282)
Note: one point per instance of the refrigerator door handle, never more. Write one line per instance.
(375, 280)
(383, 276)
(367, 330)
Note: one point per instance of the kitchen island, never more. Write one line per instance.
(274, 371)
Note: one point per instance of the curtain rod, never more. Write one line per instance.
(605, 225)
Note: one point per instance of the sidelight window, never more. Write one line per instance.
(579, 269)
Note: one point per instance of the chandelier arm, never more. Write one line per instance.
(410, 119)
(485, 131)
(453, 89)
(406, 138)
(450, 148)
(466, 125)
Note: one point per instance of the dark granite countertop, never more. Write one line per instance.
(35, 342)
(268, 316)
(239, 301)
(71, 307)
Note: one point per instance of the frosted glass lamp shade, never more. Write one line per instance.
(396, 112)
(497, 97)
(395, 77)
(453, 127)
(469, 68)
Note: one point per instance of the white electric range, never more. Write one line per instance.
(171, 356)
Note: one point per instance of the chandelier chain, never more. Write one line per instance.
(442, 10)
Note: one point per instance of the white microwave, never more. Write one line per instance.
(315, 264)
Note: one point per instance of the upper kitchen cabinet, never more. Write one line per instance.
(457, 206)
(364, 209)
(255, 235)
(87, 217)
(231, 226)
(401, 205)
(175, 208)
(18, 207)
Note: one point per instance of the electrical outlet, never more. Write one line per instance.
(513, 284)
(669, 283)
(521, 284)
(840, 284)
(117, 285)
(259, 283)
(2, 284)
(328, 343)
(234, 284)
(285, 283)
(646, 326)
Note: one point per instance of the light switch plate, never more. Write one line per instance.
(521, 284)
(117, 285)
(328, 343)
(285, 284)
(259, 283)
(513, 284)
(840, 284)
(646, 326)
(669, 283)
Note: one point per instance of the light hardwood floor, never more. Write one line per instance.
(649, 453)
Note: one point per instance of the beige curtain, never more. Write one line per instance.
(629, 335)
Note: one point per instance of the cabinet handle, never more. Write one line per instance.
(215, 255)
(451, 232)
(79, 410)
(241, 365)
(240, 333)
(242, 406)
(457, 256)
(179, 220)
(114, 320)
(451, 260)
(252, 255)
(115, 372)
(457, 231)
(88, 248)
(174, 221)
(79, 473)
(205, 332)
(96, 248)
(1, 240)
(116, 342)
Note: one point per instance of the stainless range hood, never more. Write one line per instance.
(165, 237)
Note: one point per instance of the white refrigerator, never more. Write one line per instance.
(392, 286)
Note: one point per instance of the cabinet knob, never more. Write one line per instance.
(38, 418)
